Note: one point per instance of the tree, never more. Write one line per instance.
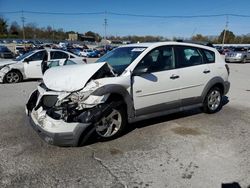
(96, 36)
(229, 37)
(3, 26)
(199, 37)
(14, 28)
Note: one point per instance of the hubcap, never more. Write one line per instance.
(109, 125)
(214, 100)
(12, 77)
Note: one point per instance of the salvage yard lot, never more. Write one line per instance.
(187, 149)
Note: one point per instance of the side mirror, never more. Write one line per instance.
(27, 60)
(139, 71)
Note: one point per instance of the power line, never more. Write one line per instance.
(128, 14)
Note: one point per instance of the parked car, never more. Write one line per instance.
(6, 53)
(128, 84)
(86, 52)
(239, 54)
(94, 53)
(55, 63)
(29, 65)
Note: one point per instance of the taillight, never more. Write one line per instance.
(228, 70)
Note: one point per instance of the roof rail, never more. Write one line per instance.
(205, 43)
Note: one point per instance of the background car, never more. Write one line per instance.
(29, 65)
(239, 54)
(55, 63)
(5, 53)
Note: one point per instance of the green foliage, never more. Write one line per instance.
(229, 37)
(3, 26)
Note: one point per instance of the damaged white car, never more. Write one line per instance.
(28, 66)
(130, 83)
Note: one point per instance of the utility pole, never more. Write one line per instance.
(105, 26)
(225, 31)
(23, 20)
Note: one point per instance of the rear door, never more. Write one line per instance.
(157, 88)
(58, 56)
(194, 73)
(32, 68)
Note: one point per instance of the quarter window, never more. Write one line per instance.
(209, 55)
(58, 55)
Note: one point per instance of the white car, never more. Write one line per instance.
(85, 52)
(29, 65)
(130, 83)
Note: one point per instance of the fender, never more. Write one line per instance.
(210, 84)
(117, 89)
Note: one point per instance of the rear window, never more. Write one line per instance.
(210, 56)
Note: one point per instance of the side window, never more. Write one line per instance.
(38, 56)
(188, 56)
(58, 55)
(69, 62)
(159, 59)
(71, 56)
(210, 55)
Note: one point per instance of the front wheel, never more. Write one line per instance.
(113, 124)
(13, 77)
(213, 101)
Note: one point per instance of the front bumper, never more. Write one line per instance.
(56, 132)
(233, 59)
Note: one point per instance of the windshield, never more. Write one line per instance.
(120, 58)
(24, 56)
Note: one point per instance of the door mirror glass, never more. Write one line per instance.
(26, 60)
(139, 71)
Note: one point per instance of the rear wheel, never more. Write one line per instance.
(13, 77)
(244, 60)
(213, 101)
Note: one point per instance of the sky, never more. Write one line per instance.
(123, 25)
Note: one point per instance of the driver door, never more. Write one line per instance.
(156, 88)
(32, 64)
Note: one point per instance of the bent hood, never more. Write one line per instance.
(72, 77)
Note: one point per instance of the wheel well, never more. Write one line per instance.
(220, 86)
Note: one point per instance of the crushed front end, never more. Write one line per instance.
(60, 118)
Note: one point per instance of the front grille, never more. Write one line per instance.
(49, 100)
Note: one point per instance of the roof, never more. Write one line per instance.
(155, 44)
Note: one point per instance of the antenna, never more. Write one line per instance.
(23, 20)
(225, 31)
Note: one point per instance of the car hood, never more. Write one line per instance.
(7, 62)
(74, 77)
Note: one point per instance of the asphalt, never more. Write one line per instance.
(187, 149)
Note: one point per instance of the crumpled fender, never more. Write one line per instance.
(117, 89)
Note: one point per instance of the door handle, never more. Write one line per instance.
(206, 71)
(174, 76)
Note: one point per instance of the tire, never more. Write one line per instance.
(213, 101)
(13, 77)
(112, 125)
(244, 60)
